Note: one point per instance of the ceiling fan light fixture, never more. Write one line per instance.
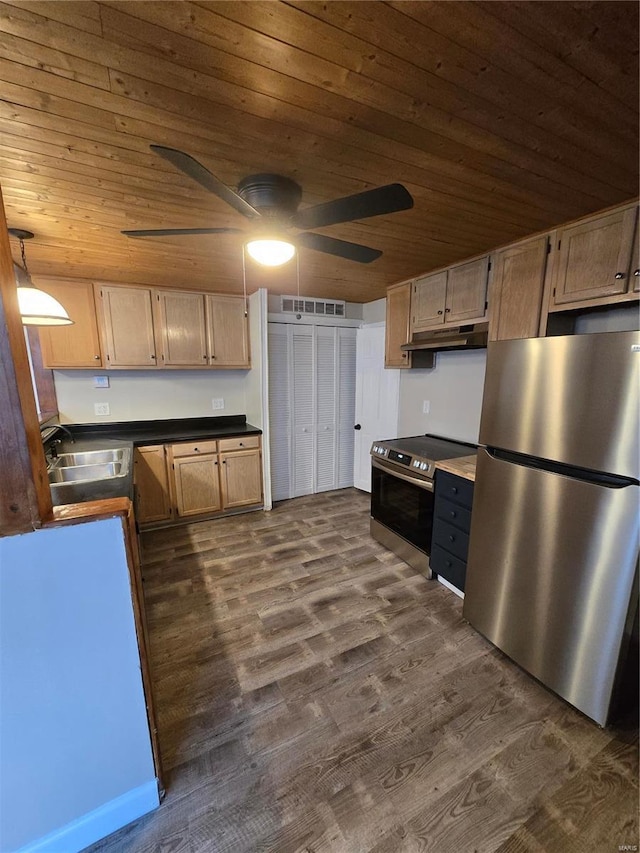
(271, 252)
(37, 308)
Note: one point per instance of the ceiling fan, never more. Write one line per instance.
(271, 203)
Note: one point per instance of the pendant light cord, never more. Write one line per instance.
(244, 280)
(23, 256)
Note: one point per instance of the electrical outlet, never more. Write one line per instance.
(101, 409)
(100, 381)
(426, 407)
(217, 403)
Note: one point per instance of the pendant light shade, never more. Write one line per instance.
(271, 253)
(37, 308)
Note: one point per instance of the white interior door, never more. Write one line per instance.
(377, 397)
(303, 366)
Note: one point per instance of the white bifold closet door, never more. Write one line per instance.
(311, 408)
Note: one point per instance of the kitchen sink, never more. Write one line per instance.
(78, 473)
(91, 458)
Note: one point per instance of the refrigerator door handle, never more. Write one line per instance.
(610, 481)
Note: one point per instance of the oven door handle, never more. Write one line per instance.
(427, 485)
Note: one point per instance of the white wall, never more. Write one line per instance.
(622, 319)
(73, 730)
(454, 390)
(149, 394)
(375, 312)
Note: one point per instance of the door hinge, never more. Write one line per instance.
(548, 248)
(559, 243)
(554, 291)
(101, 294)
(108, 357)
(486, 305)
(173, 466)
(489, 267)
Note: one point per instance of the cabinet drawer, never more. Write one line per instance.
(449, 567)
(450, 538)
(458, 516)
(193, 448)
(454, 488)
(246, 442)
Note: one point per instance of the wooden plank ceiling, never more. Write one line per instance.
(500, 118)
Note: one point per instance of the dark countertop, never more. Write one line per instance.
(132, 434)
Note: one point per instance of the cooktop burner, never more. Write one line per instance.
(421, 451)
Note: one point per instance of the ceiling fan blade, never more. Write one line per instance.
(179, 232)
(387, 199)
(340, 248)
(203, 176)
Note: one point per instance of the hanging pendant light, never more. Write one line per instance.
(37, 308)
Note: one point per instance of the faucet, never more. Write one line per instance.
(53, 446)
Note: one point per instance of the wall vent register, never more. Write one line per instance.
(311, 305)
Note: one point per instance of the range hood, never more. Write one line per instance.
(474, 336)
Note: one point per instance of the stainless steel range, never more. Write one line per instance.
(402, 493)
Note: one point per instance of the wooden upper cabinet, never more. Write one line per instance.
(635, 258)
(182, 331)
(517, 290)
(77, 345)
(428, 301)
(467, 292)
(452, 297)
(151, 478)
(594, 258)
(127, 325)
(397, 325)
(228, 331)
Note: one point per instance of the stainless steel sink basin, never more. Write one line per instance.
(91, 457)
(76, 473)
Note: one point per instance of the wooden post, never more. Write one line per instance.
(25, 497)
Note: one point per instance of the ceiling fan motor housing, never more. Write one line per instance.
(271, 194)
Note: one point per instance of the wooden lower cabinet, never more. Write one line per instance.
(197, 484)
(151, 480)
(198, 478)
(241, 478)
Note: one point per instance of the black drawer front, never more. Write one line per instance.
(448, 567)
(451, 539)
(454, 488)
(454, 514)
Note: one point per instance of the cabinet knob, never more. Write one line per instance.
(357, 426)
(404, 355)
(152, 356)
(635, 272)
(97, 357)
(241, 444)
(453, 513)
(440, 312)
(447, 563)
(454, 489)
(205, 357)
(213, 356)
(619, 275)
(452, 538)
(447, 310)
(196, 450)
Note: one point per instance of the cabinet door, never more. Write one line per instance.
(517, 288)
(228, 332)
(152, 484)
(397, 326)
(241, 478)
(182, 335)
(594, 258)
(77, 345)
(197, 484)
(127, 320)
(428, 301)
(635, 258)
(467, 292)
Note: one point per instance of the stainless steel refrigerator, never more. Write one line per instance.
(552, 573)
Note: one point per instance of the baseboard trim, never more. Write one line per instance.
(89, 828)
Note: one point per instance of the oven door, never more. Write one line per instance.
(402, 502)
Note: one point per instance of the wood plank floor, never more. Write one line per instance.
(315, 694)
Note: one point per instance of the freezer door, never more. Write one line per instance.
(550, 574)
(574, 399)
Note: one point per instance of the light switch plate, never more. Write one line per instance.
(217, 403)
(100, 381)
(101, 409)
